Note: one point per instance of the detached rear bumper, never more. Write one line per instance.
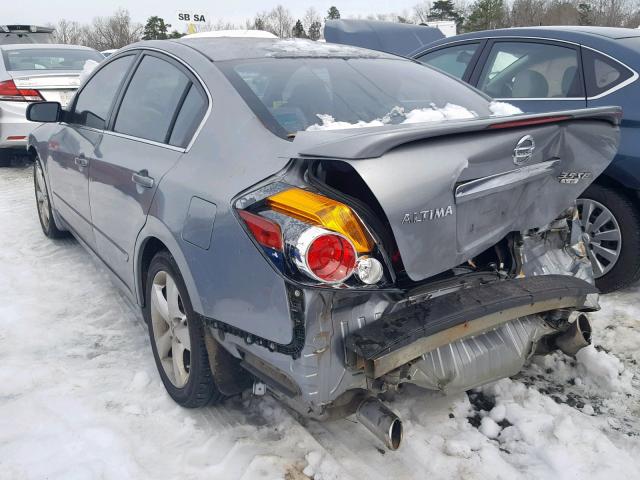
(405, 335)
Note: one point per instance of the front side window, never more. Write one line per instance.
(22, 59)
(295, 94)
(453, 60)
(602, 73)
(153, 96)
(531, 70)
(94, 101)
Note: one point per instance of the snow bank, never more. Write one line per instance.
(81, 398)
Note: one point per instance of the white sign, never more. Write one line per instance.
(191, 17)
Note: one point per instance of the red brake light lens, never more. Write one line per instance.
(266, 232)
(9, 92)
(331, 258)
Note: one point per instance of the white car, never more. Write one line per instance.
(33, 73)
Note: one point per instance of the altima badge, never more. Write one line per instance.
(524, 150)
(425, 215)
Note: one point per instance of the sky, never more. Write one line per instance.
(50, 11)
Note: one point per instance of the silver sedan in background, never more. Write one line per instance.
(31, 73)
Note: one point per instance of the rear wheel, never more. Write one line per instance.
(177, 336)
(611, 225)
(43, 204)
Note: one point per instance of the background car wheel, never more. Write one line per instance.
(177, 336)
(611, 224)
(43, 204)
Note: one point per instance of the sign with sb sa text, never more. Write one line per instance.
(191, 17)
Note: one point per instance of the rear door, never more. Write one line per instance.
(77, 144)
(535, 75)
(157, 115)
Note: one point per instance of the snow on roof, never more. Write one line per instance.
(232, 33)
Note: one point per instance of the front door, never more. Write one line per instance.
(77, 144)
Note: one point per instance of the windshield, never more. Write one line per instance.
(48, 58)
(316, 93)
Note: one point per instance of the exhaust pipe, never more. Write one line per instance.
(380, 421)
(577, 336)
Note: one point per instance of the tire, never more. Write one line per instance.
(611, 273)
(43, 204)
(173, 326)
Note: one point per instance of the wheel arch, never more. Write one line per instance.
(154, 237)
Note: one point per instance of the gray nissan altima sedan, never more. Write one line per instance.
(323, 222)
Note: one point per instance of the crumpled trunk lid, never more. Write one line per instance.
(450, 191)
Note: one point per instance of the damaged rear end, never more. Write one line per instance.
(442, 255)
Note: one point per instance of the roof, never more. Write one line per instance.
(391, 37)
(225, 48)
(39, 46)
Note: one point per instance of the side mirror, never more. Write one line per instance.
(44, 112)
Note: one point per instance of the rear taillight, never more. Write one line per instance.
(325, 256)
(9, 92)
(266, 232)
(308, 235)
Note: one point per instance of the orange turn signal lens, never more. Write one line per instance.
(322, 211)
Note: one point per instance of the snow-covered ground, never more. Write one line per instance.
(80, 397)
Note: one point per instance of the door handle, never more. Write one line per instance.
(81, 161)
(143, 179)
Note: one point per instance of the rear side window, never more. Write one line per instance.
(453, 60)
(95, 99)
(190, 115)
(531, 70)
(151, 100)
(602, 73)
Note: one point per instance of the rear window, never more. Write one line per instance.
(290, 95)
(602, 73)
(48, 58)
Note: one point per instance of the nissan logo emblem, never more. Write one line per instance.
(524, 150)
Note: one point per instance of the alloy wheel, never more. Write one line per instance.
(170, 329)
(602, 235)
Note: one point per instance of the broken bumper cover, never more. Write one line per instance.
(405, 335)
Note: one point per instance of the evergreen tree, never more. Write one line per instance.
(315, 31)
(486, 15)
(333, 13)
(156, 29)
(298, 30)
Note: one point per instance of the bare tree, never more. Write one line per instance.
(115, 31)
(310, 16)
(69, 32)
(280, 22)
(421, 12)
